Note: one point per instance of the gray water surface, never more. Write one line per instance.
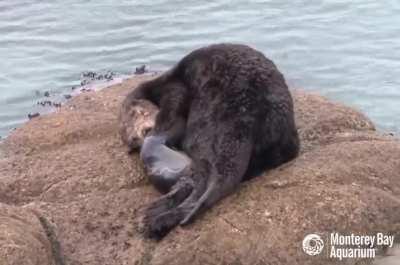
(346, 50)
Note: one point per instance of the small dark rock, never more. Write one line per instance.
(89, 74)
(67, 96)
(140, 70)
(33, 115)
(47, 94)
(84, 82)
(49, 103)
(44, 103)
(109, 76)
(86, 90)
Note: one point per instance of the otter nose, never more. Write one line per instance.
(146, 131)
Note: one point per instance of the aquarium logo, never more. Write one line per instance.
(313, 244)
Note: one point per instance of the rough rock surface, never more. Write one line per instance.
(71, 169)
(23, 239)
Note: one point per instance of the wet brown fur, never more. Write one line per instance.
(228, 107)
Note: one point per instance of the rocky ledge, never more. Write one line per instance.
(70, 193)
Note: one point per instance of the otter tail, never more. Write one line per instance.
(225, 176)
(211, 188)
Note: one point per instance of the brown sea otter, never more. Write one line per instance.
(229, 109)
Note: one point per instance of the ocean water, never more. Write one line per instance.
(346, 50)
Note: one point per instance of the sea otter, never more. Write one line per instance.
(229, 109)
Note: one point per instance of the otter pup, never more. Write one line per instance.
(163, 164)
(227, 107)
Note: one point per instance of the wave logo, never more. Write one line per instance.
(313, 244)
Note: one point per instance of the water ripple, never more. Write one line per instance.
(347, 50)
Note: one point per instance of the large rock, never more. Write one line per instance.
(70, 167)
(23, 237)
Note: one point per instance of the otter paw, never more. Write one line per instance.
(158, 207)
(156, 227)
(166, 203)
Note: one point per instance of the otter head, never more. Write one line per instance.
(136, 122)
